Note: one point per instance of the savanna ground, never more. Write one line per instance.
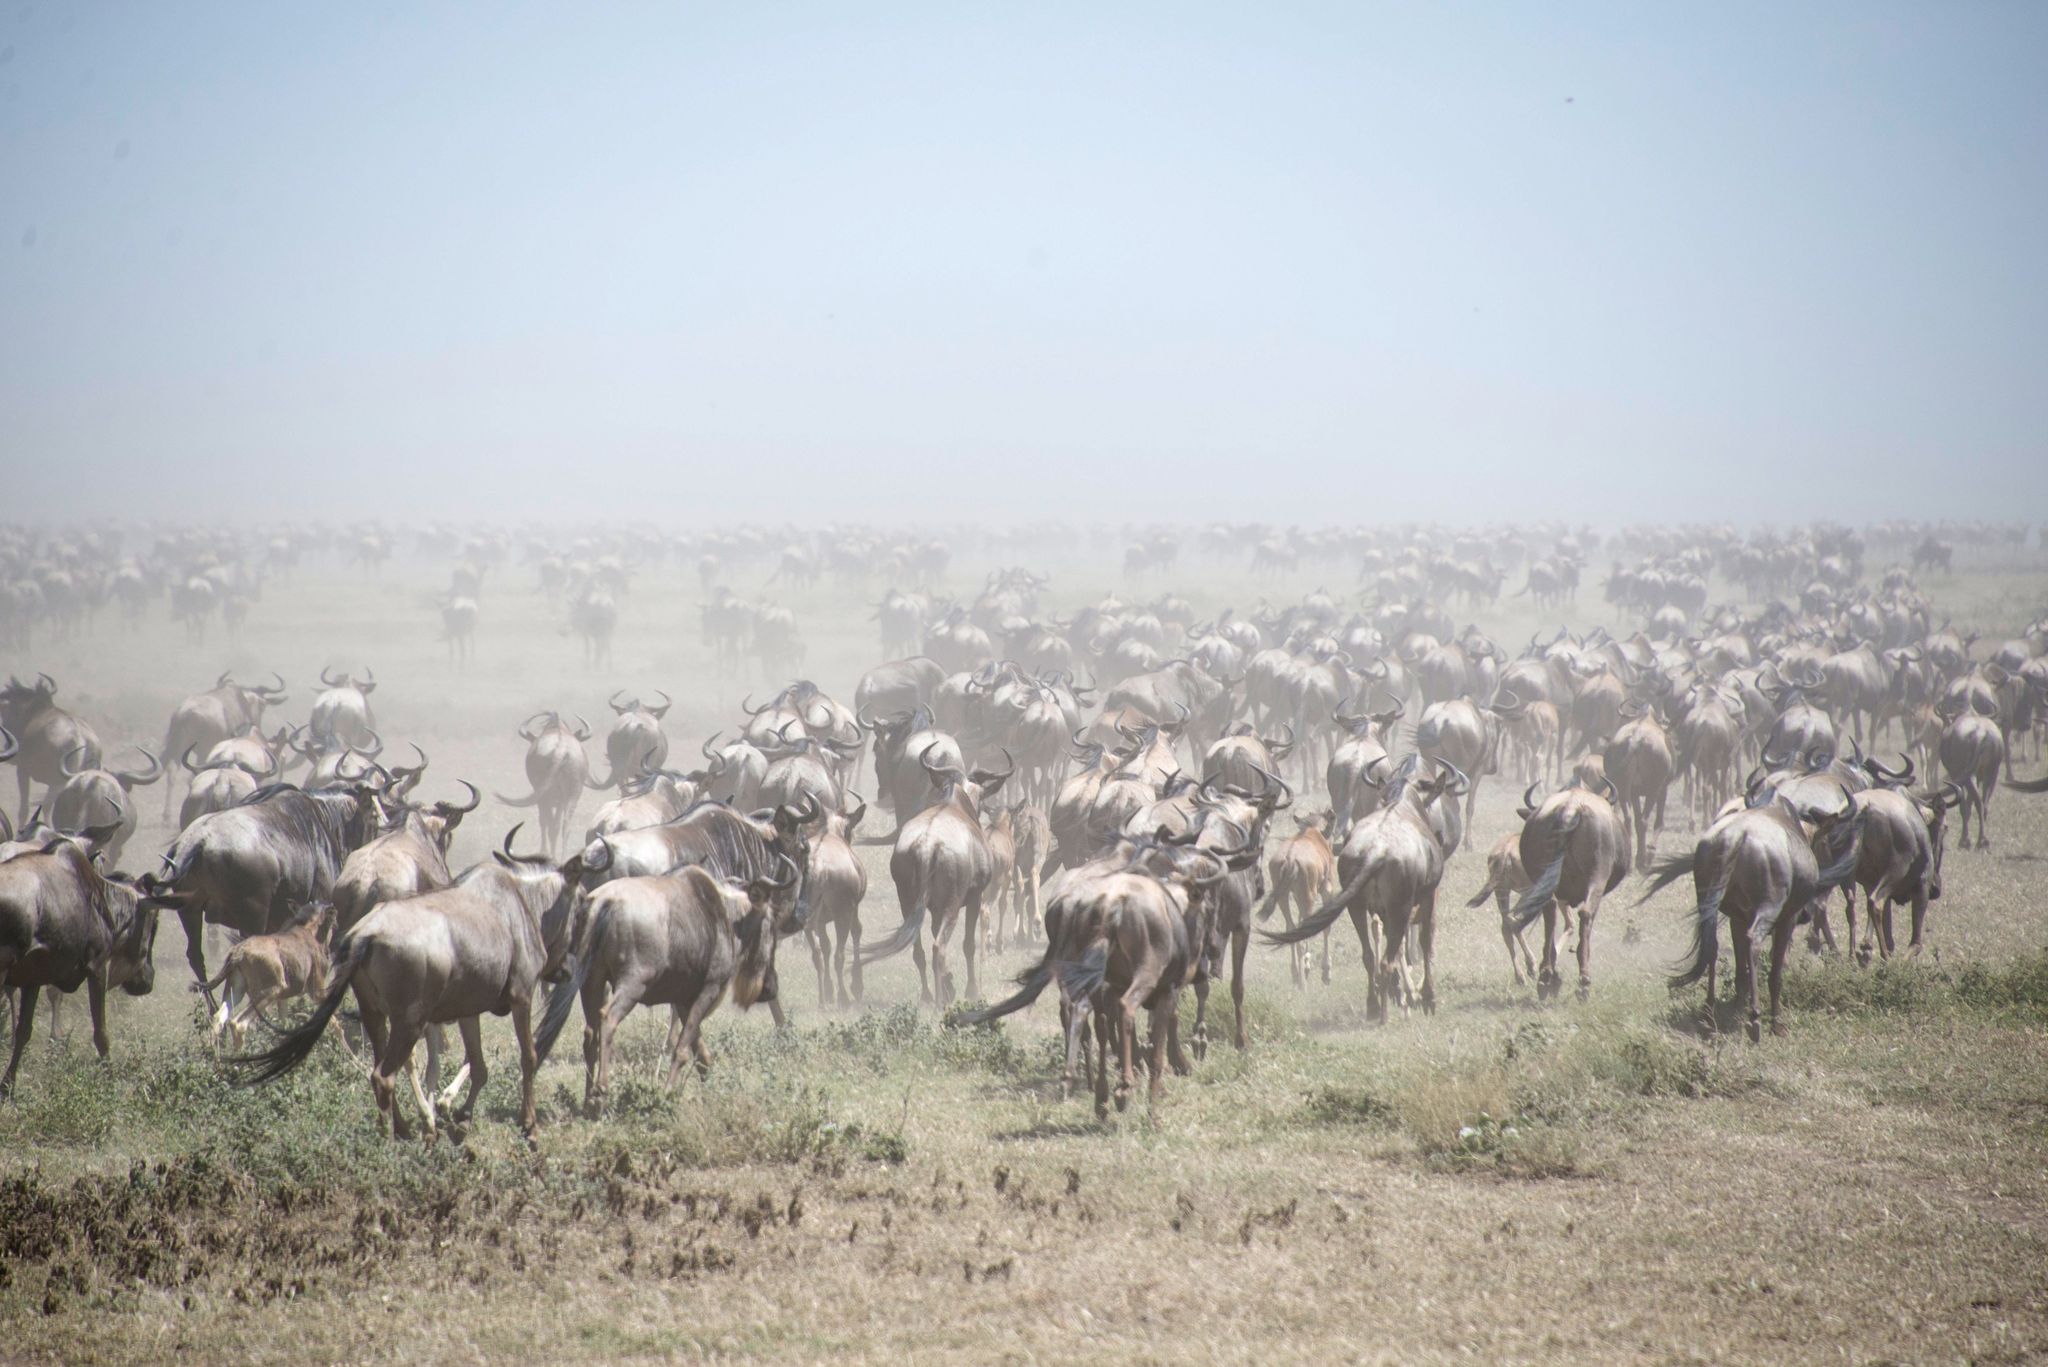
(1504, 1180)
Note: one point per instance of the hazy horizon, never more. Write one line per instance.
(924, 265)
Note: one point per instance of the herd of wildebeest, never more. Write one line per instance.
(1106, 786)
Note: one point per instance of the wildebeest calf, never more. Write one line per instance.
(263, 970)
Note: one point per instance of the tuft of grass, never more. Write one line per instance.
(2017, 988)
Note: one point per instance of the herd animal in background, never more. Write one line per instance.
(1100, 786)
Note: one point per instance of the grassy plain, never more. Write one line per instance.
(1505, 1180)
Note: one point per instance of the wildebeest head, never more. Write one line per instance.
(20, 703)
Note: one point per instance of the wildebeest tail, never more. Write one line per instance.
(1664, 872)
(904, 936)
(1544, 888)
(563, 995)
(2028, 785)
(1326, 915)
(530, 800)
(1080, 977)
(1706, 929)
(289, 1052)
(1030, 984)
(1478, 898)
(1842, 869)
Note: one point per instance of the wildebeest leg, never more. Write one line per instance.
(967, 945)
(193, 919)
(1821, 934)
(24, 1026)
(693, 1034)
(1587, 914)
(1240, 940)
(859, 988)
(624, 997)
(1199, 1040)
(924, 985)
(1160, 1022)
(593, 1039)
(817, 935)
(1425, 925)
(473, 1056)
(1781, 938)
(1744, 945)
(675, 1030)
(1103, 1030)
(1127, 1031)
(1509, 937)
(1077, 1039)
(21, 782)
(395, 1053)
(529, 1062)
(1548, 980)
(1282, 897)
(424, 1099)
(1368, 950)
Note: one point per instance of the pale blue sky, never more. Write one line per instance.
(1311, 262)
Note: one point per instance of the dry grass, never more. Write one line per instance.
(1513, 1181)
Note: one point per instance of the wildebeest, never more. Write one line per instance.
(1505, 877)
(342, 719)
(1972, 752)
(837, 884)
(204, 720)
(263, 970)
(680, 940)
(1756, 867)
(246, 868)
(1637, 761)
(1574, 847)
(99, 797)
(1388, 871)
(64, 925)
(407, 857)
(448, 957)
(1899, 840)
(1121, 936)
(941, 867)
(219, 784)
(44, 735)
(636, 741)
(1299, 874)
(556, 774)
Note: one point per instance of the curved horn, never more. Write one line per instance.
(777, 885)
(475, 798)
(666, 703)
(151, 775)
(582, 728)
(1273, 781)
(375, 747)
(368, 683)
(327, 677)
(276, 691)
(64, 761)
(9, 746)
(528, 736)
(186, 759)
(746, 706)
(613, 702)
